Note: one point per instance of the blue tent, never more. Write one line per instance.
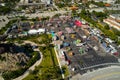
(52, 33)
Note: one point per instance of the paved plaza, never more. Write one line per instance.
(109, 73)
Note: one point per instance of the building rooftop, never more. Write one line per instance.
(115, 16)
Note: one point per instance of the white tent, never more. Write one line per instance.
(46, 1)
(41, 30)
(33, 31)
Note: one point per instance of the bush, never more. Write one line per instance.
(116, 31)
(107, 27)
(35, 57)
(7, 26)
(13, 74)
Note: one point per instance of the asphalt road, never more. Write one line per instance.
(103, 8)
(50, 14)
(45, 14)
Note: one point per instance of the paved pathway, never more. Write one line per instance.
(108, 73)
(1, 78)
(2, 22)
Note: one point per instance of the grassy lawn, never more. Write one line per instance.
(39, 39)
(47, 59)
(108, 33)
(48, 69)
(65, 70)
(54, 56)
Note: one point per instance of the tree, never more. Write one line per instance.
(116, 31)
(9, 6)
(107, 27)
(83, 12)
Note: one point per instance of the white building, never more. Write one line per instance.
(39, 31)
(32, 31)
(24, 1)
(46, 1)
(2, 4)
(116, 17)
(106, 1)
(32, 1)
(92, 6)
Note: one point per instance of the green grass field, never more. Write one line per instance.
(48, 69)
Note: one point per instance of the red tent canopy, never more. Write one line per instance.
(78, 23)
(116, 53)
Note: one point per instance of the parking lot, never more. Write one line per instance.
(83, 57)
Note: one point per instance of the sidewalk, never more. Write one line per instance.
(1, 78)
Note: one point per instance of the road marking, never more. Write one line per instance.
(105, 75)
